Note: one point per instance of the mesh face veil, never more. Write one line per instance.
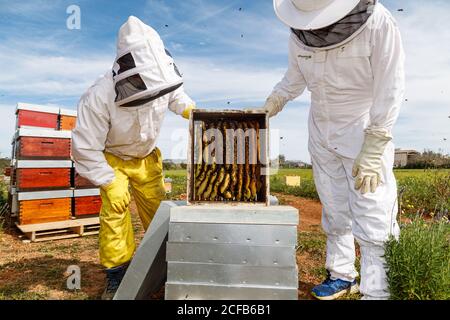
(339, 31)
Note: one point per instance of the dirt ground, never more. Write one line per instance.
(39, 270)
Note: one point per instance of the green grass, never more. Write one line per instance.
(303, 173)
(14, 292)
(419, 263)
(174, 173)
(312, 242)
(402, 173)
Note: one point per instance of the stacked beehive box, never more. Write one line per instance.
(44, 186)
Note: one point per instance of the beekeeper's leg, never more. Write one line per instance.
(147, 186)
(116, 239)
(374, 217)
(332, 186)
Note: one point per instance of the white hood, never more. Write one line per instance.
(143, 69)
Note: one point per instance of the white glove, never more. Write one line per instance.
(273, 105)
(367, 167)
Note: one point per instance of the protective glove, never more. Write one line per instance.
(118, 195)
(273, 105)
(367, 167)
(187, 112)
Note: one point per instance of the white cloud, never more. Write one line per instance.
(213, 80)
(424, 119)
(25, 73)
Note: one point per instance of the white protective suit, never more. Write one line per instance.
(123, 111)
(356, 86)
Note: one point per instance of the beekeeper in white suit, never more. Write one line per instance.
(114, 142)
(349, 55)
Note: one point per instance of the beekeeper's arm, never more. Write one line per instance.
(290, 87)
(88, 141)
(180, 103)
(387, 62)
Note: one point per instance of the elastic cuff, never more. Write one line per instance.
(187, 112)
(106, 186)
(381, 133)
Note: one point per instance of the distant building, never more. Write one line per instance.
(295, 164)
(404, 157)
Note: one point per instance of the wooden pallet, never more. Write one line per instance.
(61, 230)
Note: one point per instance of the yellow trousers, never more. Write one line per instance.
(116, 238)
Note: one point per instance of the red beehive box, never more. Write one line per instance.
(81, 182)
(87, 202)
(44, 206)
(68, 119)
(42, 144)
(7, 171)
(31, 115)
(42, 174)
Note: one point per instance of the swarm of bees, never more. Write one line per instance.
(228, 162)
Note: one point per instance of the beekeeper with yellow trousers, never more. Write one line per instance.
(114, 142)
(349, 55)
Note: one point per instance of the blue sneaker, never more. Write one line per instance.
(333, 289)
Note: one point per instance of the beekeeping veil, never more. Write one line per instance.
(143, 70)
(339, 31)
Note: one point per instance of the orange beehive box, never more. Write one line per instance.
(67, 120)
(44, 174)
(87, 202)
(42, 144)
(31, 115)
(44, 206)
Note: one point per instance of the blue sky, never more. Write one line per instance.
(231, 54)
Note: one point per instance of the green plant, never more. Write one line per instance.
(312, 242)
(419, 262)
(3, 193)
(425, 191)
(3, 200)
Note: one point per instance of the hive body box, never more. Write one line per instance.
(42, 174)
(86, 202)
(232, 252)
(43, 206)
(82, 183)
(67, 120)
(30, 115)
(195, 152)
(42, 144)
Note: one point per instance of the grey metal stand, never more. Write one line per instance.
(216, 252)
